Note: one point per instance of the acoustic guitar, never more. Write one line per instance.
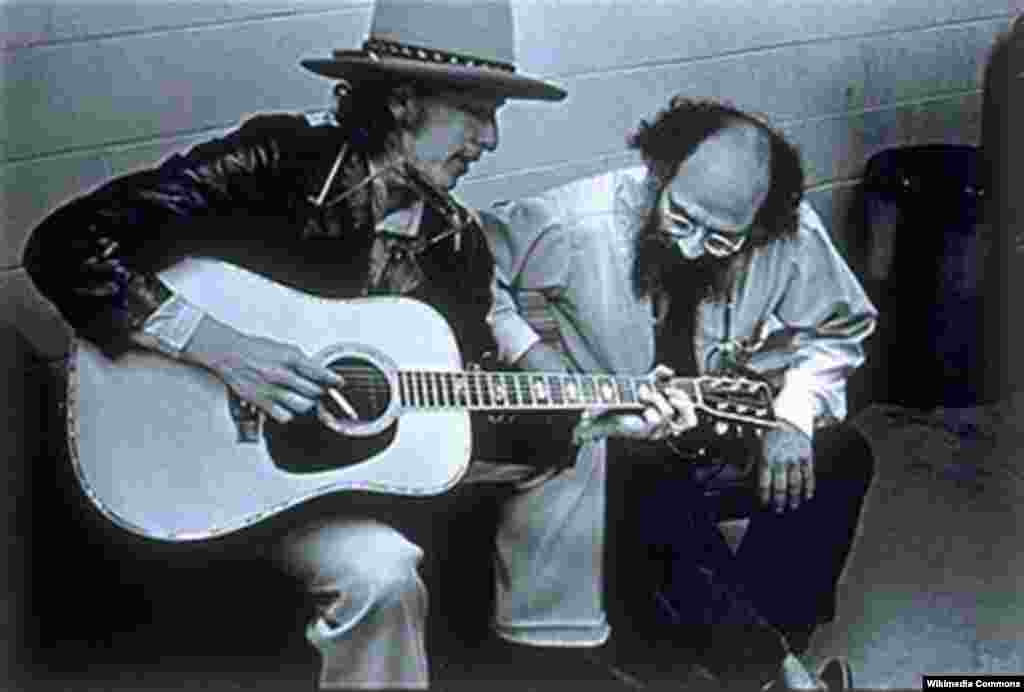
(165, 450)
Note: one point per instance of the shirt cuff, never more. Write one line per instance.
(796, 402)
(172, 325)
(514, 337)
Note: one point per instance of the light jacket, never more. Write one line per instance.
(798, 311)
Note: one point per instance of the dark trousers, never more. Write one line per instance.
(674, 579)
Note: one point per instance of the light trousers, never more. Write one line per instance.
(364, 575)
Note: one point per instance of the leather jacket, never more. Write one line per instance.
(248, 198)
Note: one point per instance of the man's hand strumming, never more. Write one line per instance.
(278, 378)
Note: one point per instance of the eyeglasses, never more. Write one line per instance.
(716, 243)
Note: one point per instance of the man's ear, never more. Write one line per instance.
(406, 108)
(399, 109)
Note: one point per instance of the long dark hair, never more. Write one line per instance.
(374, 113)
(670, 139)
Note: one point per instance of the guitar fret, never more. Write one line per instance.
(607, 392)
(589, 390)
(571, 389)
(512, 389)
(446, 379)
(627, 391)
(522, 392)
(461, 390)
(485, 390)
(421, 386)
(498, 387)
(435, 377)
(445, 400)
(554, 383)
(539, 390)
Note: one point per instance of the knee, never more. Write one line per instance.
(378, 562)
(360, 562)
(844, 453)
(392, 585)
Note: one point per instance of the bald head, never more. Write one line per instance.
(726, 179)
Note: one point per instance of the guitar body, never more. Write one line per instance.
(158, 446)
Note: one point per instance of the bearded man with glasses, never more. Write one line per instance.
(708, 260)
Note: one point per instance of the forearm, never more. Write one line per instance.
(209, 344)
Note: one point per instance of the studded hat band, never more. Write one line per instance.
(376, 48)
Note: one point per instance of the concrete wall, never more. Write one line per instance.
(99, 87)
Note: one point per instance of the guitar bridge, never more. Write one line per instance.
(246, 417)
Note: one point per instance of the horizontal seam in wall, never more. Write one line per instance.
(894, 105)
(123, 145)
(164, 30)
(127, 144)
(769, 48)
(547, 167)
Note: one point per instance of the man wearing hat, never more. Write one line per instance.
(337, 209)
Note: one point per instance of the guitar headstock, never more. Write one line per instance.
(731, 404)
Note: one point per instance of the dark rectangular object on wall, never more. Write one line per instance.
(927, 234)
(1003, 148)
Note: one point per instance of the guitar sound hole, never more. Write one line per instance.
(366, 388)
(307, 445)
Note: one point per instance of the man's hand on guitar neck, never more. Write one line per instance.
(667, 413)
(278, 378)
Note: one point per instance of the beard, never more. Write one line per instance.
(659, 267)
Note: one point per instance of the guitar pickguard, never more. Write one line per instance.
(305, 445)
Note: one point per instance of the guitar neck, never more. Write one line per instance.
(725, 399)
(519, 391)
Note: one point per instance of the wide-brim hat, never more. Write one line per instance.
(464, 44)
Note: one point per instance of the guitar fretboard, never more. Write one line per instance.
(505, 391)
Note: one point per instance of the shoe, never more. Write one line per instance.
(836, 674)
